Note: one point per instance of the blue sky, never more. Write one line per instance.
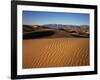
(41, 18)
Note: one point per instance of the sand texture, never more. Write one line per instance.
(58, 52)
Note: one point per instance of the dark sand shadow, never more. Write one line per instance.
(40, 34)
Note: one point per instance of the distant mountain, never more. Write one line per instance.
(57, 26)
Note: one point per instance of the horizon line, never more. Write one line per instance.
(56, 24)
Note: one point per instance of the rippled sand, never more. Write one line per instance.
(58, 52)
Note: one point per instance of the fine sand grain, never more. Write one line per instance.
(58, 52)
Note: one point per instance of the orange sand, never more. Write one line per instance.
(58, 52)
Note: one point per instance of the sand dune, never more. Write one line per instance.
(58, 52)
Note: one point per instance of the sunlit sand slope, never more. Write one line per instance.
(60, 52)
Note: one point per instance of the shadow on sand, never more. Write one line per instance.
(39, 34)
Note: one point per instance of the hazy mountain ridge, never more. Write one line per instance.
(57, 26)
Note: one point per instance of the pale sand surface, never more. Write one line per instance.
(58, 52)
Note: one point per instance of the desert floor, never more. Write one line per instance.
(58, 52)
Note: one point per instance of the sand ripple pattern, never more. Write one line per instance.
(60, 52)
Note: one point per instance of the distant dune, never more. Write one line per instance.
(58, 52)
(55, 31)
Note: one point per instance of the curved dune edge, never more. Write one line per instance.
(60, 52)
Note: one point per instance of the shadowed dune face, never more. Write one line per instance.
(58, 52)
(39, 34)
